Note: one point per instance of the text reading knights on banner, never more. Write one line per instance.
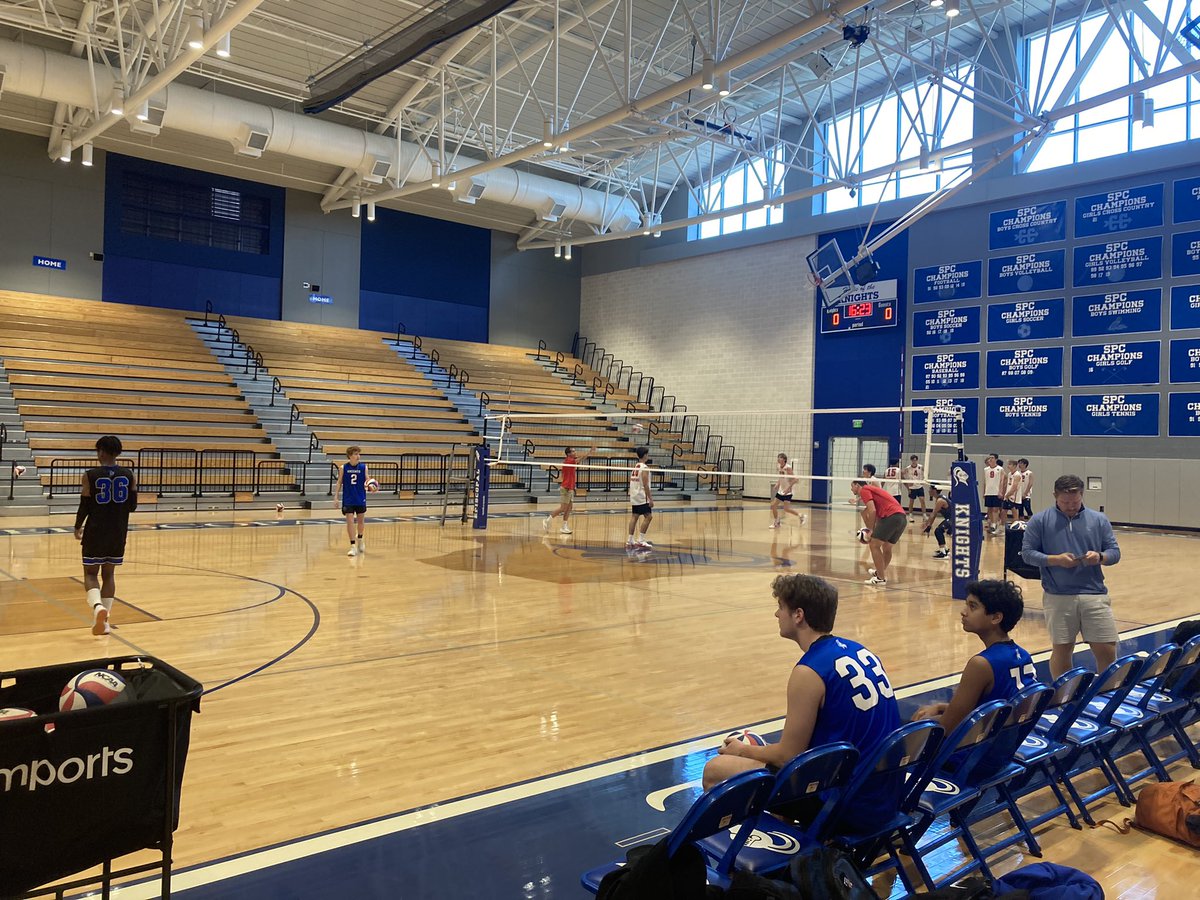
(1027, 273)
(1185, 306)
(1118, 261)
(1118, 312)
(1130, 362)
(860, 307)
(1183, 415)
(944, 425)
(953, 281)
(1115, 211)
(1022, 367)
(1185, 361)
(942, 371)
(1114, 415)
(1024, 415)
(1025, 320)
(939, 327)
(1187, 200)
(1028, 225)
(1185, 254)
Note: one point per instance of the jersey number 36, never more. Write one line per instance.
(112, 490)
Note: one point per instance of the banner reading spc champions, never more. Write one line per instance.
(946, 371)
(943, 425)
(1116, 262)
(1027, 225)
(953, 281)
(1024, 415)
(1025, 320)
(1130, 362)
(1185, 254)
(1183, 415)
(1185, 361)
(939, 327)
(1114, 415)
(1027, 273)
(1185, 306)
(1022, 367)
(1116, 211)
(1118, 312)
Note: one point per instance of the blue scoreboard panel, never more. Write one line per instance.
(859, 307)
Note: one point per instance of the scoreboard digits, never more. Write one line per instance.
(860, 307)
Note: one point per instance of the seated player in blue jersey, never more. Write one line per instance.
(992, 609)
(838, 690)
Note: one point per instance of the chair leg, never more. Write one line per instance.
(969, 839)
(1108, 766)
(1062, 801)
(1185, 742)
(1060, 773)
(909, 845)
(1019, 820)
(1143, 742)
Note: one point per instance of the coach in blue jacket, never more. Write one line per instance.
(1070, 543)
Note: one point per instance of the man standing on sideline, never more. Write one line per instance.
(885, 521)
(566, 489)
(1070, 543)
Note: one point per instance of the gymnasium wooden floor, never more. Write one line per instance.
(446, 661)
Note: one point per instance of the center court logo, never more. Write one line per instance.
(43, 773)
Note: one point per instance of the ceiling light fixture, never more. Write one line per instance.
(195, 31)
(87, 155)
(706, 74)
(356, 209)
(64, 151)
(370, 210)
(116, 105)
(953, 8)
(223, 48)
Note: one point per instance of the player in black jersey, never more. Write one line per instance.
(107, 495)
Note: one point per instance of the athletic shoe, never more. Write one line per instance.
(941, 554)
(871, 571)
(353, 551)
(362, 547)
(644, 545)
(630, 544)
(566, 529)
(773, 525)
(546, 523)
(803, 518)
(99, 620)
(876, 581)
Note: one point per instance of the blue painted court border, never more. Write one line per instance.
(528, 840)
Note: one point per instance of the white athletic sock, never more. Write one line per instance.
(93, 598)
(108, 602)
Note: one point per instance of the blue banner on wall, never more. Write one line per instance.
(1024, 415)
(48, 262)
(1185, 306)
(1185, 254)
(1187, 200)
(1115, 211)
(970, 415)
(937, 327)
(1116, 262)
(1114, 415)
(1117, 312)
(1027, 273)
(1025, 320)
(1027, 225)
(946, 371)
(1183, 415)
(1022, 367)
(966, 541)
(954, 281)
(1129, 362)
(1185, 361)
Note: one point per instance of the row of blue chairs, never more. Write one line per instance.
(1047, 736)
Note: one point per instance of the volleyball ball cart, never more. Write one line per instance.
(83, 788)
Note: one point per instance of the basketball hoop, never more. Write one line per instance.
(815, 279)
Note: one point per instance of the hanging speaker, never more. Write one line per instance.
(865, 271)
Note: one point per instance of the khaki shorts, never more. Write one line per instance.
(890, 528)
(1068, 616)
(565, 496)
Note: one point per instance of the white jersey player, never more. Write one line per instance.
(640, 501)
(783, 491)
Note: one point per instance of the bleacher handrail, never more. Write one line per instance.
(276, 388)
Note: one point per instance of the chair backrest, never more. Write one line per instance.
(1025, 708)
(1158, 668)
(734, 800)
(965, 744)
(1069, 687)
(1116, 681)
(1183, 680)
(900, 764)
(813, 772)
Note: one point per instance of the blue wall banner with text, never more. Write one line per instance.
(939, 327)
(1183, 414)
(1115, 211)
(946, 371)
(1027, 225)
(953, 281)
(1117, 312)
(1185, 361)
(1024, 415)
(1187, 200)
(942, 424)
(1185, 306)
(1114, 415)
(1027, 273)
(1025, 320)
(1129, 362)
(1185, 254)
(1117, 262)
(1025, 367)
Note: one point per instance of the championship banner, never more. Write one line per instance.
(1027, 225)
(1025, 320)
(954, 281)
(483, 476)
(1185, 254)
(1185, 361)
(1027, 273)
(1185, 306)
(1024, 367)
(1183, 415)
(1024, 415)
(967, 539)
(945, 426)
(1131, 362)
(1114, 415)
(1187, 200)
(942, 371)
(938, 327)
(1116, 262)
(1116, 211)
(1119, 312)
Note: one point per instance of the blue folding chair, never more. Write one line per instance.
(729, 803)
(1174, 704)
(952, 791)
(1134, 718)
(816, 777)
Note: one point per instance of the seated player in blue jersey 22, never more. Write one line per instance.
(838, 691)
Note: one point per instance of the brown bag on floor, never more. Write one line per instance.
(1171, 808)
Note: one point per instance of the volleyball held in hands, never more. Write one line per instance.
(746, 737)
(372, 485)
(864, 535)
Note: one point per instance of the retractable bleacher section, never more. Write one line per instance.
(81, 368)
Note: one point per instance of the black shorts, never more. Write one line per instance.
(641, 509)
(913, 493)
(896, 497)
(354, 510)
(1027, 506)
(991, 501)
(1010, 504)
(786, 498)
(103, 548)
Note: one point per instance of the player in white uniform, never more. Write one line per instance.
(639, 499)
(891, 479)
(783, 491)
(1011, 489)
(1026, 475)
(914, 475)
(993, 474)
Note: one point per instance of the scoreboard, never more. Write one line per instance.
(858, 307)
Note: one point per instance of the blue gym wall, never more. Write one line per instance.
(433, 276)
(150, 271)
(860, 369)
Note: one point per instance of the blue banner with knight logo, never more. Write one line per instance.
(939, 327)
(1024, 415)
(1025, 320)
(1027, 273)
(953, 281)
(1185, 361)
(943, 425)
(966, 539)
(1114, 415)
(1027, 225)
(1187, 200)
(1115, 211)
(1129, 362)
(1185, 254)
(1117, 312)
(1185, 306)
(1116, 262)
(1022, 367)
(481, 488)
(946, 371)
(1183, 414)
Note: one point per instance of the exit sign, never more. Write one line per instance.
(856, 423)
